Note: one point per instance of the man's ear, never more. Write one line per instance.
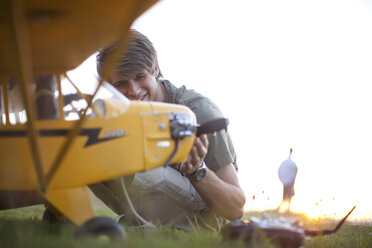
(156, 71)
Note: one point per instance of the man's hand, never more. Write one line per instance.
(196, 156)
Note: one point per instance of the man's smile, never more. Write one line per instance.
(143, 97)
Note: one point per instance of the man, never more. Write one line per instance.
(165, 195)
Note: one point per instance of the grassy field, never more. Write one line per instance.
(24, 228)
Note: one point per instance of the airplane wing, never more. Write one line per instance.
(62, 34)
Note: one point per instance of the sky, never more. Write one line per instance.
(288, 74)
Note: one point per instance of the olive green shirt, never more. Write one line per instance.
(220, 150)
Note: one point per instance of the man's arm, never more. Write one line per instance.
(220, 190)
(222, 193)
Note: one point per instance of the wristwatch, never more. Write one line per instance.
(199, 174)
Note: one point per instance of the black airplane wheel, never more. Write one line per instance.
(101, 226)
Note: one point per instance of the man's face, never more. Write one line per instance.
(142, 86)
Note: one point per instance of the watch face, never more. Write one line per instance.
(200, 174)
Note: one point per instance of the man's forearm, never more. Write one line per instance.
(225, 199)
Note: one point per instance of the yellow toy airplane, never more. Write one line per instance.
(49, 144)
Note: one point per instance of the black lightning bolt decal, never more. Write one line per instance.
(92, 134)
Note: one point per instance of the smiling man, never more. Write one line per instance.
(169, 196)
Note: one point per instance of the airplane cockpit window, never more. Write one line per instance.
(110, 103)
(17, 112)
(107, 103)
(75, 102)
(44, 99)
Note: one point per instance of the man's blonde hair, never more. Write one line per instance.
(140, 55)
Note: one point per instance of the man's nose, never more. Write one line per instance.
(133, 89)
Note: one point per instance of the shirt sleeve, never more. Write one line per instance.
(220, 149)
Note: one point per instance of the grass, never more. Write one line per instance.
(23, 228)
